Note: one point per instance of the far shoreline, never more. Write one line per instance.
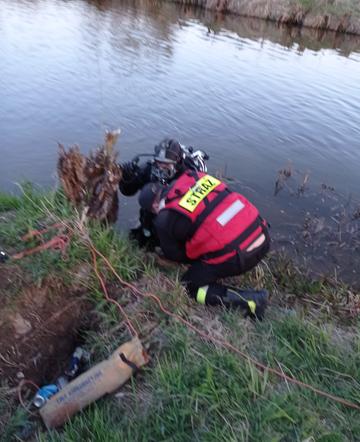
(325, 15)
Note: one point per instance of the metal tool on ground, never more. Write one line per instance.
(77, 359)
(47, 391)
(3, 256)
(103, 378)
(61, 381)
(43, 394)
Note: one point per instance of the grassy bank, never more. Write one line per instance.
(334, 15)
(191, 389)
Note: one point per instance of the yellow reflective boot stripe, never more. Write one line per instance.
(252, 306)
(201, 294)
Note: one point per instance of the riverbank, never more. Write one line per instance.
(333, 15)
(193, 387)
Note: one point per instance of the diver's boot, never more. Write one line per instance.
(253, 302)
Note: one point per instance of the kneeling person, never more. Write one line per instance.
(219, 232)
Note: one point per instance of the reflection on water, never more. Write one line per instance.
(252, 94)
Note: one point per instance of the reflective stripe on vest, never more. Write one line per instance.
(230, 212)
(221, 220)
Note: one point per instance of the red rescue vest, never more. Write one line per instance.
(223, 222)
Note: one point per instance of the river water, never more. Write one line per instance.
(258, 98)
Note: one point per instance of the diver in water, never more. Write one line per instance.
(169, 161)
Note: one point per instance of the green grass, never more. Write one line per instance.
(8, 202)
(192, 390)
(12, 418)
(35, 210)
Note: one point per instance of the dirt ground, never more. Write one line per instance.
(40, 328)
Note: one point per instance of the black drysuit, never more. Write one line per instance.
(135, 177)
(172, 229)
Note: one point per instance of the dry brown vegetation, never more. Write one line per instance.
(333, 15)
(91, 183)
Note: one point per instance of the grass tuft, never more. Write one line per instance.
(192, 390)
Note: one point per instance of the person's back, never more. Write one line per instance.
(201, 221)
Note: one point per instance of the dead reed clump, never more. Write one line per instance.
(71, 168)
(283, 175)
(302, 187)
(91, 183)
(294, 17)
(317, 21)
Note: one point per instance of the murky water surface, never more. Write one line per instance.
(256, 97)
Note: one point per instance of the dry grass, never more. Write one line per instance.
(334, 15)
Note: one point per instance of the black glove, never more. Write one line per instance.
(143, 238)
(134, 177)
(129, 170)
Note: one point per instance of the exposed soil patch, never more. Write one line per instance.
(10, 282)
(40, 330)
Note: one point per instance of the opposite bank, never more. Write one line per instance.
(333, 15)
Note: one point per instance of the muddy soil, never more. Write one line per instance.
(40, 329)
(10, 283)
